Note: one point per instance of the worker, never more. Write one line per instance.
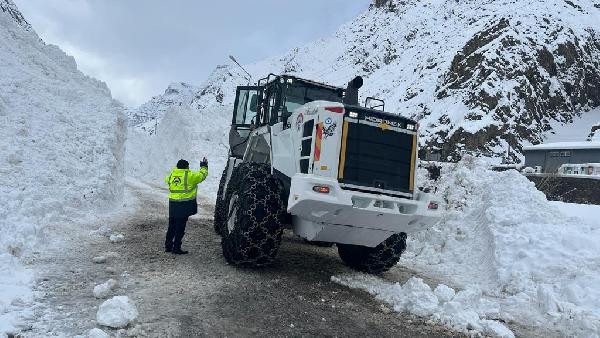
(183, 184)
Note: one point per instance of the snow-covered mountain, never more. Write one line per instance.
(10, 9)
(481, 75)
(146, 116)
(62, 137)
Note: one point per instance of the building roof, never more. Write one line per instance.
(580, 165)
(565, 146)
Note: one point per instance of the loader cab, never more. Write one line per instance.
(272, 101)
(284, 94)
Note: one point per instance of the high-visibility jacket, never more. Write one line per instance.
(183, 183)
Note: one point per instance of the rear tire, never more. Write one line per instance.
(255, 217)
(374, 260)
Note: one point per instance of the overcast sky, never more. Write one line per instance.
(139, 46)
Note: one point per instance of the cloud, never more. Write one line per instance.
(138, 47)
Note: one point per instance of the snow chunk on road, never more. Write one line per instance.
(99, 259)
(102, 290)
(117, 312)
(97, 333)
(103, 231)
(464, 311)
(116, 238)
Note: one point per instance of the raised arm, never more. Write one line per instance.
(196, 177)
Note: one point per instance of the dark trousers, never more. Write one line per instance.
(175, 232)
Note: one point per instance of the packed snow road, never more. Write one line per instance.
(199, 294)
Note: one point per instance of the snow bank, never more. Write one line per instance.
(117, 312)
(15, 290)
(513, 255)
(464, 311)
(183, 133)
(63, 137)
(62, 144)
(501, 235)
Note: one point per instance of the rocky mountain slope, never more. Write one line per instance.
(11, 10)
(481, 76)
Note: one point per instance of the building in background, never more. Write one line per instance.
(573, 156)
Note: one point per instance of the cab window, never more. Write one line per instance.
(246, 106)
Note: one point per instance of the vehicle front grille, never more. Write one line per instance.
(377, 158)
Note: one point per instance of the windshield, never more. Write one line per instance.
(299, 94)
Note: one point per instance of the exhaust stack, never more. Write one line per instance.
(351, 96)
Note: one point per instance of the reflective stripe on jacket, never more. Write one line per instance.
(183, 183)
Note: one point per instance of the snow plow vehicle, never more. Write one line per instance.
(305, 155)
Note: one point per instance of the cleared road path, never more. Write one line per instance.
(199, 294)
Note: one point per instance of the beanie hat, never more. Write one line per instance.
(183, 164)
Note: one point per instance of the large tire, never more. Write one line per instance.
(220, 205)
(374, 260)
(255, 217)
(223, 196)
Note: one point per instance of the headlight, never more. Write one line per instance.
(353, 114)
(410, 126)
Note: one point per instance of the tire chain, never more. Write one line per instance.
(255, 240)
(374, 260)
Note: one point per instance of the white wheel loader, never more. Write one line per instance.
(305, 155)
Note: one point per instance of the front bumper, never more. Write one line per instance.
(357, 209)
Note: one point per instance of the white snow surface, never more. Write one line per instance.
(578, 130)
(499, 234)
(184, 133)
(15, 291)
(595, 132)
(62, 149)
(146, 117)
(465, 311)
(117, 312)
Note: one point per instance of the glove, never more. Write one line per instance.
(204, 163)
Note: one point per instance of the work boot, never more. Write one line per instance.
(179, 252)
(168, 249)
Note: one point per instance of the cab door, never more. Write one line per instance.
(245, 117)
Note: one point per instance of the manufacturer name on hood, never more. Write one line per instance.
(375, 119)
